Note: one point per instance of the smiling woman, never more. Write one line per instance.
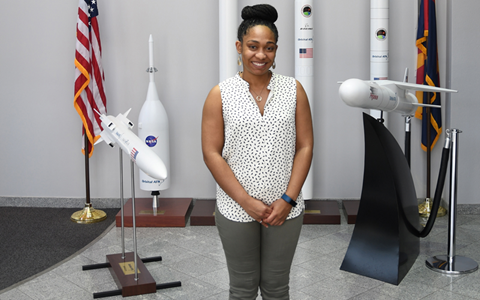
(257, 141)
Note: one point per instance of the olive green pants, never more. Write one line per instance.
(259, 257)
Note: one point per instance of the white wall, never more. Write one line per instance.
(40, 130)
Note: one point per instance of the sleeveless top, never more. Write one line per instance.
(259, 149)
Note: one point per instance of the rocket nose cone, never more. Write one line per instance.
(354, 91)
(157, 168)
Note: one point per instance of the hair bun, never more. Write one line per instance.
(260, 11)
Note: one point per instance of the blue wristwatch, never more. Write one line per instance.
(289, 200)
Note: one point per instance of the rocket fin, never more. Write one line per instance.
(104, 138)
(123, 118)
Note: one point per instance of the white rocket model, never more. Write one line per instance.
(386, 95)
(116, 130)
(153, 131)
(378, 42)
(304, 17)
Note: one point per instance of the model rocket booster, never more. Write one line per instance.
(386, 95)
(117, 131)
(378, 43)
(153, 129)
(379, 39)
(304, 28)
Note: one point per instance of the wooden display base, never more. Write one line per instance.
(316, 212)
(203, 213)
(351, 210)
(321, 212)
(171, 212)
(122, 270)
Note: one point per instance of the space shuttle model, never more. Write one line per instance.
(117, 130)
(386, 95)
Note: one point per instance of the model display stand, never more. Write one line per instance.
(351, 210)
(170, 212)
(203, 213)
(127, 269)
(384, 244)
(321, 212)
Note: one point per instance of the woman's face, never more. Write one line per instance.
(258, 50)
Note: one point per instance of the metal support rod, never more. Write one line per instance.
(155, 195)
(407, 138)
(122, 200)
(452, 264)
(132, 171)
(452, 216)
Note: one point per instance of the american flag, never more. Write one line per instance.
(89, 77)
(306, 52)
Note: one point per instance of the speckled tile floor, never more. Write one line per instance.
(194, 256)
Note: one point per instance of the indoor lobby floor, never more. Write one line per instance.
(194, 256)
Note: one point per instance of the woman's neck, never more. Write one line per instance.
(256, 80)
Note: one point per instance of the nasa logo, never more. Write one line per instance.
(151, 141)
(307, 11)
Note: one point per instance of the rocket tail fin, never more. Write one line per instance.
(104, 138)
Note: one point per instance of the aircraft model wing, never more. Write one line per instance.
(105, 138)
(421, 87)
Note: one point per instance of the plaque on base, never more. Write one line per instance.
(123, 273)
(321, 212)
(351, 210)
(171, 212)
(203, 213)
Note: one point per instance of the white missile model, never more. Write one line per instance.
(116, 130)
(386, 95)
(153, 130)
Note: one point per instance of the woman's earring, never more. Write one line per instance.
(239, 60)
(274, 65)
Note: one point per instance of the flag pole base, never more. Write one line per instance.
(425, 208)
(88, 215)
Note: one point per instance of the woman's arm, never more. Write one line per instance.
(212, 146)
(301, 161)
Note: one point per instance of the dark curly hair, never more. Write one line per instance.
(260, 14)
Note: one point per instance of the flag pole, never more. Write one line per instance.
(425, 208)
(88, 214)
(429, 149)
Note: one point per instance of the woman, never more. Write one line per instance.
(257, 141)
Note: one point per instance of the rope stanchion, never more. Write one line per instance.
(452, 264)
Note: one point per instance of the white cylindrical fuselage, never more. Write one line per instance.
(370, 95)
(304, 17)
(379, 39)
(378, 44)
(153, 130)
(146, 160)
